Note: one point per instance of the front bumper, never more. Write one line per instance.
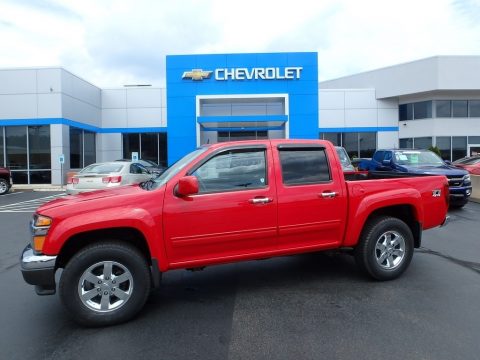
(38, 270)
(460, 195)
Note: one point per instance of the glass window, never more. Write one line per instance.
(422, 142)
(76, 148)
(131, 143)
(422, 110)
(459, 147)
(138, 169)
(474, 108)
(149, 146)
(406, 111)
(335, 138)
(88, 148)
(40, 177)
(16, 146)
(379, 156)
(350, 143)
(474, 139)
(443, 108)
(233, 170)
(162, 144)
(460, 108)
(243, 135)
(2, 162)
(406, 143)
(39, 147)
(20, 177)
(444, 144)
(368, 144)
(304, 166)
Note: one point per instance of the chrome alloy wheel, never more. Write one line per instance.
(390, 250)
(105, 286)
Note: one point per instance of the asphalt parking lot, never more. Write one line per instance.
(313, 306)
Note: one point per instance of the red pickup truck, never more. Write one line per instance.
(223, 203)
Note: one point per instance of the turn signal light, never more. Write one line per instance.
(112, 179)
(38, 242)
(42, 221)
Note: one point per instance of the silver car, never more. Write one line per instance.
(107, 175)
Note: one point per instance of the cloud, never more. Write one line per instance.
(115, 42)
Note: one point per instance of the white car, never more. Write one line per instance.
(107, 175)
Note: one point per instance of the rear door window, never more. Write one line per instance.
(304, 166)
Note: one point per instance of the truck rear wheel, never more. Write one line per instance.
(385, 248)
(105, 284)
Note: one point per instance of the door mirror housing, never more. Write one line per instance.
(387, 162)
(187, 185)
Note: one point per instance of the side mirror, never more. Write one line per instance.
(448, 162)
(187, 185)
(387, 162)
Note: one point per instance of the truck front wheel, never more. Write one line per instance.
(385, 248)
(105, 284)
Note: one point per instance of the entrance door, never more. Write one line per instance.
(473, 149)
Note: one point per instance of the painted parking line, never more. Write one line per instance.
(14, 193)
(29, 205)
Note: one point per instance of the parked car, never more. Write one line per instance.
(426, 162)
(107, 175)
(150, 165)
(357, 161)
(344, 159)
(471, 164)
(222, 203)
(5, 180)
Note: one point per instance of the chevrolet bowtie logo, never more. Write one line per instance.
(196, 74)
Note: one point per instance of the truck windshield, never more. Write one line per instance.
(176, 167)
(417, 158)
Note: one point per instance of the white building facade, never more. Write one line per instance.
(49, 112)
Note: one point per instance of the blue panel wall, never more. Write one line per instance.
(181, 93)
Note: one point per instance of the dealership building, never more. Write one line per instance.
(52, 121)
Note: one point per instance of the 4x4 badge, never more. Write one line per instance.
(436, 193)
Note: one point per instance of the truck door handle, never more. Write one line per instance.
(260, 200)
(328, 194)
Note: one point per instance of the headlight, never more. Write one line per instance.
(40, 226)
(466, 178)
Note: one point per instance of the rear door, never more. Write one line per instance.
(312, 201)
(233, 215)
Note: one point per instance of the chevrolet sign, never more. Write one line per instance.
(196, 74)
(269, 73)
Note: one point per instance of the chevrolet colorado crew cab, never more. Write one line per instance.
(223, 203)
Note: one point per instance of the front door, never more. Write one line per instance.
(233, 215)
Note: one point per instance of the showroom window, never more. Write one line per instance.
(406, 143)
(149, 146)
(457, 108)
(25, 150)
(362, 144)
(444, 143)
(459, 147)
(82, 148)
(418, 110)
(417, 143)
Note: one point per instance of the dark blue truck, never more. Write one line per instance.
(422, 162)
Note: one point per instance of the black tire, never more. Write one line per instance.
(379, 250)
(91, 264)
(4, 186)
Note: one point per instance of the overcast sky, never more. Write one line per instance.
(115, 42)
